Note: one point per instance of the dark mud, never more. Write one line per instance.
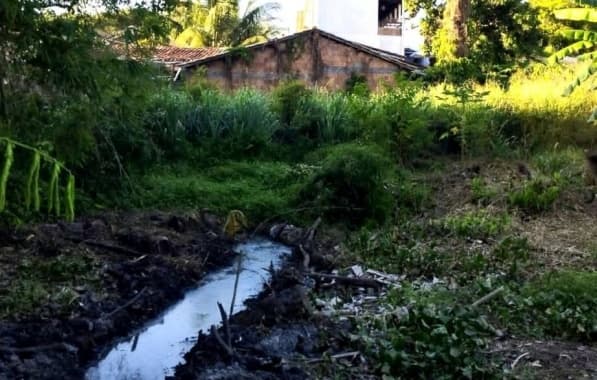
(140, 264)
(280, 335)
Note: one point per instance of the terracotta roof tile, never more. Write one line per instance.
(177, 55)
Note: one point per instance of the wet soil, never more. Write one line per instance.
(140, 264)
(278, 336)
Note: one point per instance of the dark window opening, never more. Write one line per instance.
(390, 17)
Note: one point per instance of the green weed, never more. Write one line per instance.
(433, 337)
(351, 184)
(475, 224)
(536, 195)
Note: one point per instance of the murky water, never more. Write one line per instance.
(160, 346)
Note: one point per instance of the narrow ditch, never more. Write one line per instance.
(153, 351)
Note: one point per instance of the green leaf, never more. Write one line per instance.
(576, 14)
(570, 50)
(579, 35)
(8, 160)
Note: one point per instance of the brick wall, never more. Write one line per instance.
(314, 59)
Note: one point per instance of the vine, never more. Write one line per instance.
(32, 193)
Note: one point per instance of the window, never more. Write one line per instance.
(390, 17)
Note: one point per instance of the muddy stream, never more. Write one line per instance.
(154, 351)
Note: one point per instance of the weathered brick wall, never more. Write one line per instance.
(314, 59)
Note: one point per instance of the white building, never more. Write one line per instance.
(378, 23)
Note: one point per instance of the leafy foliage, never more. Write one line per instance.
(31, 190)
(350, 184)
(218, 23)
(433, 338)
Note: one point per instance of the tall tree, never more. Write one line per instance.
(219, 23)
(488, 32)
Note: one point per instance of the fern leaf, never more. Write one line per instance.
(31, 180)
(576, 14)
(8, 160)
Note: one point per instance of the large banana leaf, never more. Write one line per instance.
(579, 35)
(571, 50)
(587, 56)
(577, 14)
(584, 75)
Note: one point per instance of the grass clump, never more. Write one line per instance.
(350, 185)
(536, 195)
(475, 224)
(481, 192)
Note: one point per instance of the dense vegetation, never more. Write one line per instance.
(370, 162)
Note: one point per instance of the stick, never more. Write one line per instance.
(487, 297)
(311, 231)
(360, 282)
(227, 348)
(110, 247)
(45, 347)
(238, 270)
(515, 362)
(225, 324)
(351, 354)
(129, 303)
(135, 341)
(306, 258)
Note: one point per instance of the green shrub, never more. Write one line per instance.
(350, 184)
(398, 120)
(286, 98)
(536, 195)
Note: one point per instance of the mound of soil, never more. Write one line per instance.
(141, 263)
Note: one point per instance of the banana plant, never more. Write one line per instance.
(32, 191)
(583, 43)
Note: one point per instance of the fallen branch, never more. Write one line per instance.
(129, 303)
(488, 297)
(351, 281)
(515, 362)
(109, 247)
(45, 347)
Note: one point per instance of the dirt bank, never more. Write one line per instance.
(68, 291)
